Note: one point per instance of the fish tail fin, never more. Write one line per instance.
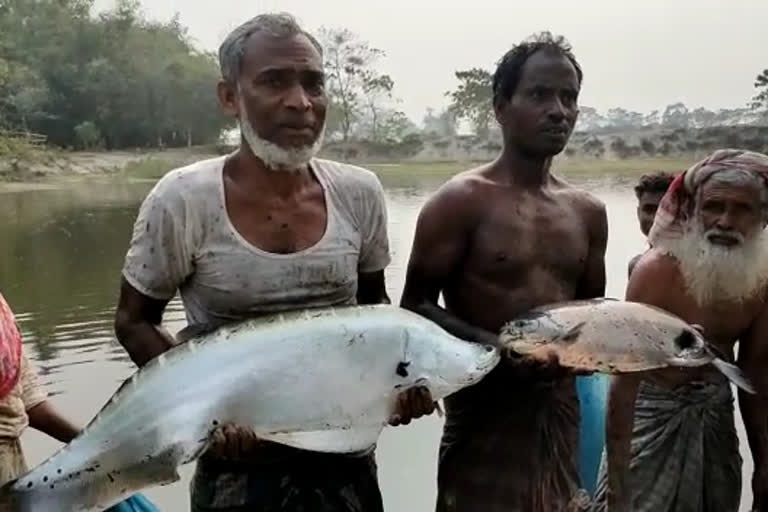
(572, 334)
(734, 374)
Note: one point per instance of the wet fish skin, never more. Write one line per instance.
(323, 380)
(613, 336)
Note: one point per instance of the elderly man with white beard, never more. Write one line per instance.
(671, 440)
(267, 228)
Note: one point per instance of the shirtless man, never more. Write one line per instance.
(671, 439)
(497, 241)
(268, 228)
(649, 191)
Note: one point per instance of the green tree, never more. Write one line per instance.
(117, 79)
(377, 90)
(353, 84)
(473, 99)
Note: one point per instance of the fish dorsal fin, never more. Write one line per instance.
(572, 334)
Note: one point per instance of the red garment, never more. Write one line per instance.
(675, 205)
(10, 349)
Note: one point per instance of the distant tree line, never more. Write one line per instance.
(113, 81)
(117, 80)
(471, 101)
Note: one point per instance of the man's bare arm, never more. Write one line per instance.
(138, 325)
(442, 233)
(371, 288)
(45, 418)
(753, 360)
(643, 287)
(593, 281)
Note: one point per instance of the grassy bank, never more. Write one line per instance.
(47, 165)
(568, 167)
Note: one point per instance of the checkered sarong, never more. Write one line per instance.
(284, 479)
(685, 451)
(510, 445)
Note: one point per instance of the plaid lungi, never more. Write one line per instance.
(280, 478)
(684, 453)
(510, 445)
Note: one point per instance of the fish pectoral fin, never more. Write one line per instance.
(339, 440)
(734, 374)
(571, 334)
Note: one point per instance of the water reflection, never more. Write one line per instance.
(61, 251)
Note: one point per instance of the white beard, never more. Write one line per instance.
(715, 273)
(277, 158)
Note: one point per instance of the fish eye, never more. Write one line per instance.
(685, 340)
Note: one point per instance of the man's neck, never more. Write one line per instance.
(524, 170)
(250, 173)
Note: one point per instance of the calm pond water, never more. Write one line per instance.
(61, 250)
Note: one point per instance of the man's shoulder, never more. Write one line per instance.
(182, 182)
(465, 186)
(345, 175)
(657, 265)
(580, 197)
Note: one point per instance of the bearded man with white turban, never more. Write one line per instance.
(265, 229)
(671, 443)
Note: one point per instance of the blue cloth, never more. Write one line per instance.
(593, 395)
(136, 503)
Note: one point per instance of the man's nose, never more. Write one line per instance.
(297, 98)
(725, 221)
(557, 110)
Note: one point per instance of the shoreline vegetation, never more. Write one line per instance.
(42, 166)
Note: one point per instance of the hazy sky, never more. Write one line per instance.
(640, 55)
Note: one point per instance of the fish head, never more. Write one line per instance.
(444, 364)
(688, 348)
(527, 332)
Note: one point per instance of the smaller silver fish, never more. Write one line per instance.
(613, 336)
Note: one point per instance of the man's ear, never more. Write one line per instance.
(228, 98)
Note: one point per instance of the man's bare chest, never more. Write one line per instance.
(723, 324)
(550, 238)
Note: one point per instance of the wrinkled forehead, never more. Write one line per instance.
(735, 185)
(265, 52)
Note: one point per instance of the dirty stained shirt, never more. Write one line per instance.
(183, 240)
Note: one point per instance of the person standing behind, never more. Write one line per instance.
(649, 191)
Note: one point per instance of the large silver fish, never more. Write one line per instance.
(323, 380)
(613, 336)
